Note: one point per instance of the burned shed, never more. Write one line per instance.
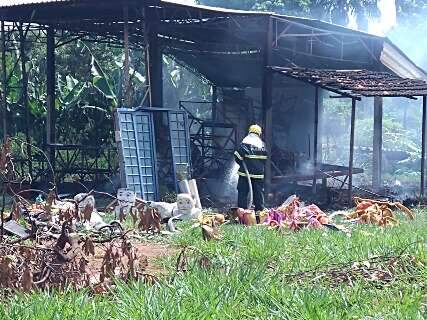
(265, 68)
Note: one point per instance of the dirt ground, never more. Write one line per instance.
(148, 255)
(153, 252)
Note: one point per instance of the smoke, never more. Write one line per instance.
(229, 190)
(387, 20)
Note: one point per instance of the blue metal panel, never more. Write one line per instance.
(137, 140)
(138, 148)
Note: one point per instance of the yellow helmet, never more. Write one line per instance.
(255, 129)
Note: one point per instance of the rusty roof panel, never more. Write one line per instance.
(357, 83)
(11, 3)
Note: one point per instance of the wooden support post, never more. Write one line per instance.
(24, 96)
(377, 144)
(315, 139)
(50, 84)
(423, 146)
(350, 161)
(267, 101)
(4, 80)
(153, 57)
(126, 77)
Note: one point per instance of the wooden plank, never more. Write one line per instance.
(377, 144)
(350, 161)
(423, 146)
(325, 174)
(267, 100)
(315, 138)
(126, 77)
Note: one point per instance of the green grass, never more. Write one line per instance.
(245, 280)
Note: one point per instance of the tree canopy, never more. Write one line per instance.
(337, 11)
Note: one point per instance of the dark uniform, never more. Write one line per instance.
(252, 151)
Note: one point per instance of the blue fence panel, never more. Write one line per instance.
(137, 140)
(137, 136)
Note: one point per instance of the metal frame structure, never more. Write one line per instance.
(355, 84)
(205, 135)
(230, 48)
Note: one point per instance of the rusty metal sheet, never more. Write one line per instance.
(11, 3)
(16, 229)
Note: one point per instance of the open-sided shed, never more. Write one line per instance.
(229, 48)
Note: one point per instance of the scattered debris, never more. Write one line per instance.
(209, 224)
(30, 267)
(185, 260)
(294, 215)
(183, 207)
(377, 212)
(379, 271)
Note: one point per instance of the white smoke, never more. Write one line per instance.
(387, 20)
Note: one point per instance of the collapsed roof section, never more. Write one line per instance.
(358, 83)
(225, 46)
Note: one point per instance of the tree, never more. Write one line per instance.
(337, 11)
(411, 28)
(408, 10)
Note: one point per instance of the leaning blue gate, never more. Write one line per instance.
(136, 137)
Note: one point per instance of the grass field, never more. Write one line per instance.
(243, 276)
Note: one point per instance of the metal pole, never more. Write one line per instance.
(126, 62)
(4, 80)
(214, 101)
(267, 101)
(377, 144)
(423, 146)
(316, 131)
(350, 162)
(50, 84)
(24, 94)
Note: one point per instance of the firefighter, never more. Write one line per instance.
(252, 152)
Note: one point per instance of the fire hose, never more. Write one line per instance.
(251, 192)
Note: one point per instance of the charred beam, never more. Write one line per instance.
(267, 100)
(377, 144)
(50, 101)
(350, 161)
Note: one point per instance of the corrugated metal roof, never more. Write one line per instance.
(11, 3)
(390, 57)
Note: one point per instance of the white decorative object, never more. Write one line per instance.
(96, 220)
(195, 193)
(186, 207)
(125, 201)
(183, 208)
(165, 209)
(83, 200)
